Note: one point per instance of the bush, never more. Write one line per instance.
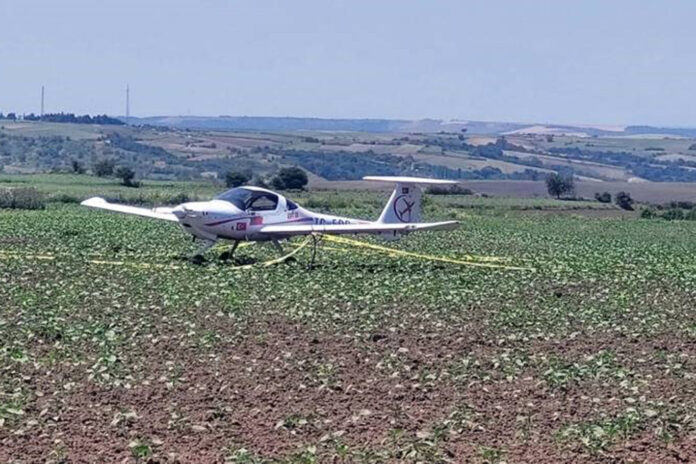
(177, 199)
(449, 190)
(62, 197)
(648, 213)
(674, 214)
(22, 198)
(682, 204)
(259, 182)
(104, 168)
(290, 179)
(126, 175)
(277, 183)
(235, 179)
(603, 197)
(624, 201)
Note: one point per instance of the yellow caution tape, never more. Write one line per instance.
(292, 253)
(139, 265)
(469, 260)
(358, 243)
(6, 255)
(394, 252)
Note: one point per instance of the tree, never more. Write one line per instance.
(292, 178)
(126, 175)
(624, 201)
(603, 197)
(104, 167)
(77, 167)
(235, 179)
(277, 183)
(558, 185)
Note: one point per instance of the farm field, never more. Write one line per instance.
(539, 338)
(177, 154)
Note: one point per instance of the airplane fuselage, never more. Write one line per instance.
(218, 219)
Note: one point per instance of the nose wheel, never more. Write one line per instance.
(229, 253)
(198, 257)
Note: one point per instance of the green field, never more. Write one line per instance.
(115, 347)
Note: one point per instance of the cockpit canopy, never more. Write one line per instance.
(247, 199)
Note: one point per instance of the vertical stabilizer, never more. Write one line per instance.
(404, 205)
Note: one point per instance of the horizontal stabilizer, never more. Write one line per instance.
(157, 213)
(409, 180)
(340, 229)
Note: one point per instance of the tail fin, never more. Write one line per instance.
(404, 205)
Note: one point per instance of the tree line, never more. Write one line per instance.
(65, 118)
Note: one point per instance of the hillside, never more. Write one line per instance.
(168, 153)
(285, 124)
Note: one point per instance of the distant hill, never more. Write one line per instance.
(182, 148)
(291, 124)
(285, 124)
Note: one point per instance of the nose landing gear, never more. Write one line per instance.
(227, 255)
(198, 258)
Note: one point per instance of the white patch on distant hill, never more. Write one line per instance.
(648, 136)
(480, 140)
(589, 179)
(602, 127)
(547, 130)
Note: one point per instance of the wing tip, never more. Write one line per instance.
(94, 201)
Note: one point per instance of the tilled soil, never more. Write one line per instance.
(393, 396)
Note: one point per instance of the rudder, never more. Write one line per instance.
(404, 205)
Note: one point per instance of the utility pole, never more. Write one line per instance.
(42, 101)
(127, 101)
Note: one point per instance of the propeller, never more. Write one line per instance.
(182, 212)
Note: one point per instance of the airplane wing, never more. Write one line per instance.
(157, 213)
(341, 229)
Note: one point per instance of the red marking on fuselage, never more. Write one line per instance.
(225, 221)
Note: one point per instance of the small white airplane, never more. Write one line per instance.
(256, 214)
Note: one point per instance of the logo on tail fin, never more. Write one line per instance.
(403, 208)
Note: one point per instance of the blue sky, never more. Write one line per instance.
(562, 61)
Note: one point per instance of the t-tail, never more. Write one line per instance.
(404, 205)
